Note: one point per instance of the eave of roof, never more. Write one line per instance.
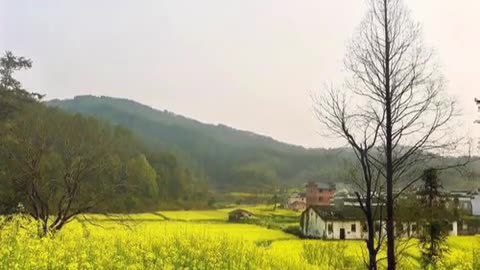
(345, 213)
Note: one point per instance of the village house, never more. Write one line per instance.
(347, 223)
(331, 223)
(466, 200)
(297, 202)
(462, 198)
(319, 194)
(297, 206)
(353, 202)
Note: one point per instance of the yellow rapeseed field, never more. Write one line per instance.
(149, 241)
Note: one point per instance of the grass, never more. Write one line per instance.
(264, 213)
(211, 215)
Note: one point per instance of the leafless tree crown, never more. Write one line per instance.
(420, 109)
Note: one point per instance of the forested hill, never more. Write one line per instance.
(229, 158)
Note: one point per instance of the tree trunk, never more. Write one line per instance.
(372, 252)
(389, 149)
(45, 227)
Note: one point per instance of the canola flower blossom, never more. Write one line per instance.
(183, 245)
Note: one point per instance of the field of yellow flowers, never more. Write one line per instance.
(191, 240)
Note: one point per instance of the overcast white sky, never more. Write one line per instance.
(250, 64)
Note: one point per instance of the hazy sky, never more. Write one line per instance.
(250, 64)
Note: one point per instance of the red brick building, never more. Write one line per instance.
(319, 194)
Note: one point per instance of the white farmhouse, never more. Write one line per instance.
(330, 223)
(348, 223)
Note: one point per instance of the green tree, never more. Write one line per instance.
(58, 165)
(12, 99)
(12, 95)
(142, 177)
(257, 176)
(433, 237)
(10, 63)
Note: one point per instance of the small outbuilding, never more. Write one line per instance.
(239, 215)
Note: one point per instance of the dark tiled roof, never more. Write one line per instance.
(240, 211)
(323, 185)
(344, 213)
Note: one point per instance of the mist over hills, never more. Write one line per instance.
(228, 158)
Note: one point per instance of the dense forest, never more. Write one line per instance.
(59, 154)
(232, 159)
(56, 163)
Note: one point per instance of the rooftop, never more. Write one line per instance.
(322, 185)
(345, 213)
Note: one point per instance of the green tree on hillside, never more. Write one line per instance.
(142, 177)
(10, 63)
(58, 165)
(12, 94)
(259, 178)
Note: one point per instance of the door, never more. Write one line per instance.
(342, 234)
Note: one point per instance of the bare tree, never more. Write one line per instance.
(362, 134)
(398, 102)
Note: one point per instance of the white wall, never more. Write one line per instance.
(454, 231)
(318, 228)
(408, 231)
(347, 226)
(476, 205)
(313, 225)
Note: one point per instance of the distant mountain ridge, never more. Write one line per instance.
(218, 151)
(79, 103)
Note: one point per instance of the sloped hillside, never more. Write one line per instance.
(229, 158)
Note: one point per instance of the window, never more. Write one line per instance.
(354, 228)
(451, 226)
(364, 227)
(414, 227)
(330, 228)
